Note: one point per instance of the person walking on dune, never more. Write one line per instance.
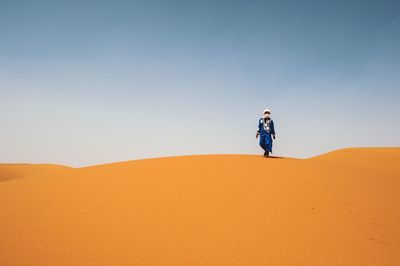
(266, 131)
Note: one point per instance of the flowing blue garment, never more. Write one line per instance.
(266, 130)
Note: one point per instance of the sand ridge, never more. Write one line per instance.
(339, 208)
(18, 170)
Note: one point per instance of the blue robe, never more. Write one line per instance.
(266, 135)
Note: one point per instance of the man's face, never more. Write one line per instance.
(266, 114)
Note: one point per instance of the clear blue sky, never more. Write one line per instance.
(89, 82)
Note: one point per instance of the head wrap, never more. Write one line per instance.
(267, 110)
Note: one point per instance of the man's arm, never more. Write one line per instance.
(258, 130)
(272, 129)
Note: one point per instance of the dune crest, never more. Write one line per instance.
(339, 208)
(18, 170)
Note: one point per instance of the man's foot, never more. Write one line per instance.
(266, 154)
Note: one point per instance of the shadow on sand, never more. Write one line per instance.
(274, 157)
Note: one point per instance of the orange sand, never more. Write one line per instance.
(340, 208)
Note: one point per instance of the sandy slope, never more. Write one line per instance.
(340, 208)
(12, 171)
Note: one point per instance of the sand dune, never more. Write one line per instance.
(13, 170)
(340, 208)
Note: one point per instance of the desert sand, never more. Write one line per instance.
(339, 208)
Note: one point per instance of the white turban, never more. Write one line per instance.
(266, 110)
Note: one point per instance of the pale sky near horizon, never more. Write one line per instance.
(90, 82)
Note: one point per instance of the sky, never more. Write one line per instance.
(92, 82)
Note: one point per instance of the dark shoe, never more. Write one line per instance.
(266, 154)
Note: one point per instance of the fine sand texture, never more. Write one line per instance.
(339, 208)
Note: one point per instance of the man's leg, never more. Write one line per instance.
(268, 143)
(262, 142)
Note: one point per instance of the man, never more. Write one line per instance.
(266, 130)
